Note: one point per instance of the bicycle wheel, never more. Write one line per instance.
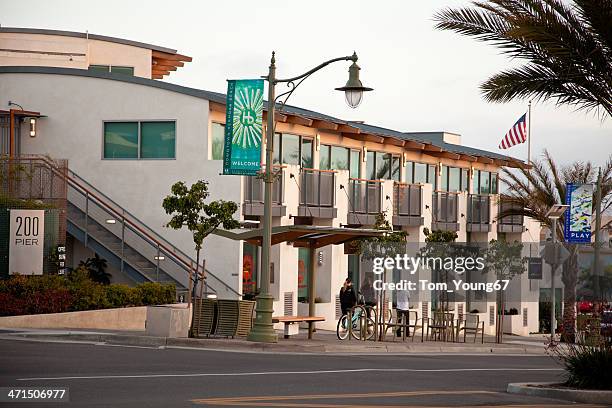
(358, 312)
(370, 329)
(342, 328)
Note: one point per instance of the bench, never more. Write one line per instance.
(292, 323)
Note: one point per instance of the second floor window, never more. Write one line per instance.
(485, 182)
(453, 179)
(339, 158)
(140, 140)
(420, 173)
(292, 149)
(383, 166)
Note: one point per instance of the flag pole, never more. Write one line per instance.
(529, 134)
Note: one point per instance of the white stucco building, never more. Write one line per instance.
(128, 137)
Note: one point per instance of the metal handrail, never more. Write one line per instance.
(149, 235)
(403, 191)
(353, 182)
(482, 214)
(305, 192)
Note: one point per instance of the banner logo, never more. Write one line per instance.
(578, 218)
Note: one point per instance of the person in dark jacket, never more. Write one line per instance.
(348, 297)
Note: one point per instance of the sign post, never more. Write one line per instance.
(26, 242)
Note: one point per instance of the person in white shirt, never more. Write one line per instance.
(402, 308)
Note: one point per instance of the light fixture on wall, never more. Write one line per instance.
(365, 154)
(32, 127)
(111, 221)
(405, 159)
(159, 257)
(318, 142)
(320, 261)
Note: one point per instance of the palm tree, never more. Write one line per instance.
(532, 192)
(567, 45)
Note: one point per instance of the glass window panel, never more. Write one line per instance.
(291, 149)
(444, 178)
(454, 179)
(395, 168)
(339, 158)
(371, 166)
(494, 184)
(99, 68)
(121, 140)
(123, 70)
(476, 182)
(218, 138)
(250, 265)
(355, 165)
(157, 140)
(420, 173)
(307, 153)
(383, 166)
(431, 176)
(277, 148)
(464, 180)
(324, 163)
(409, 172)
(485, 186)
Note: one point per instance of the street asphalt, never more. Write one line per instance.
(102, 375)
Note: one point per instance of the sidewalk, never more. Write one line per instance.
(323, 342)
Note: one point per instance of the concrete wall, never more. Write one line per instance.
(128, 318)
(42, 50)
(76, 108)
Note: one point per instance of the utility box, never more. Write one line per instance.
(168, 321)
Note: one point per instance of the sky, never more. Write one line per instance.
(423, 79)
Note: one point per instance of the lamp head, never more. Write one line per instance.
(354, 89)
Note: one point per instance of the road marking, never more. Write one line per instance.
(266, 401)
(256, 373)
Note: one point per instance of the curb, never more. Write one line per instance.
(231, 345)
(586, 396)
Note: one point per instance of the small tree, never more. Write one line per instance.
(188, 208)
(438, 244)
(96, 267)
(505, 260)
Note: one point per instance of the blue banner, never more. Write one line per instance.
(243, 127)
(578, 217)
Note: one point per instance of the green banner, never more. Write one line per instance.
(243, 127)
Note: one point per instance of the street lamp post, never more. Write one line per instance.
(263, 329)
(554, 213)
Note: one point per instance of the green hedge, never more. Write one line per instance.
(21, 295)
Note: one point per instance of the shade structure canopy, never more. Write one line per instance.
(305, 236)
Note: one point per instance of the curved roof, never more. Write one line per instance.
(77, 34)
(433, 146)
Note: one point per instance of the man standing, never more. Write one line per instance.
(402, 310)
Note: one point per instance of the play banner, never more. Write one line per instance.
(578, 217)
(243, 127)
(26, 242)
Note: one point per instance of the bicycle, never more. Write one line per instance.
(359, 317)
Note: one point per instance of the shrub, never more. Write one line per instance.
(121, 295)
(586, 367)
(150, 293)
(21, 295)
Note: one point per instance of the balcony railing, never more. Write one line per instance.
(478, 213)
(509, 223)
(317, 188)
(444, 211)
(254, 190)
(407, 199)
(365, 201)
(407, 204)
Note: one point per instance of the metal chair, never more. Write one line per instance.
(441, 325)
(471, 324)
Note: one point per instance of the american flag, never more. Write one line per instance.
(517, 134)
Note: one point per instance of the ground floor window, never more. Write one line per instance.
(250, 262)
(303, 265)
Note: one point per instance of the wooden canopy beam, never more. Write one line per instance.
(486, 160)
(467, 157)
(411, 144)
(278, 116)
(164, 67)
(432, 148)
(298, 120)
(173, 57)
(393, 141)
(323, 124)
(163, 61)
(348, 129)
